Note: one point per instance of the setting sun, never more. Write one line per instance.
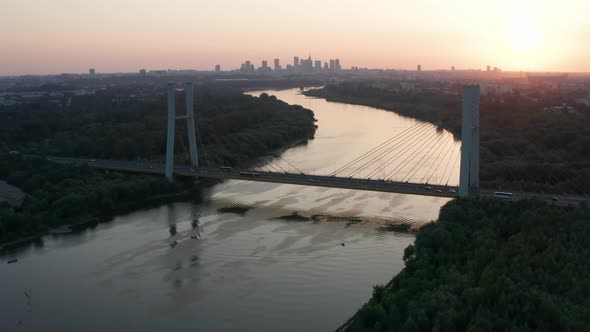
(524, 35)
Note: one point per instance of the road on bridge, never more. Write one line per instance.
(310, 180)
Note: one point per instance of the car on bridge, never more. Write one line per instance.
(252, 174)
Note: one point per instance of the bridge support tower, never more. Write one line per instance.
(469, 176)
(190, 125)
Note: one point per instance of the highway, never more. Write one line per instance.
(311, 180)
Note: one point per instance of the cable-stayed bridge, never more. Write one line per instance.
(417, 160)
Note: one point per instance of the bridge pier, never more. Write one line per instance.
(469, 176)
(190, 118)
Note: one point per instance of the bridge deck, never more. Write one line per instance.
(312, 180)
(272, 177)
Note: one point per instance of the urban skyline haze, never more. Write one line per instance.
(50, 37)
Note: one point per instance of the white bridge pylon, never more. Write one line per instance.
(190, 125)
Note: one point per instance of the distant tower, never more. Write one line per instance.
(142, 72)
(453, 68)
(488, 68)
(296, 62)
(264, 65)
(326, 67)
(277, 66)
(91, 72)
(318, 65)
(217, 68)
(190, 125)
(337, 64)
(469, 176)
(332, 65)
(419, 68)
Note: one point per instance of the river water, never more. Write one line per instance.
(188, 266)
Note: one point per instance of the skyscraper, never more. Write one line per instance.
(142, 72)
(318, 65)
(264, 65)
(488, 68)
(296, 62)
(91, 72)
(217, 68)
(337, 64)
(277, 65)
(419, 68)
(332, 64)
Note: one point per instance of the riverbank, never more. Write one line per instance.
(56, 194)
(489, 265)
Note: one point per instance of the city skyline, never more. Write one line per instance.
(52, 37)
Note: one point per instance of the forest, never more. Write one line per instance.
(233, 129)
(488, 265)
(523, 147)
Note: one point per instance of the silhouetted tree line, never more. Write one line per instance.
(58, 194)
(523, 147)
(489, 266)
(232, 129)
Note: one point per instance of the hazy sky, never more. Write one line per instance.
(54, 36)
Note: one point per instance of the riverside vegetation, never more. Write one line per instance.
(522, 146)
(233, 130)
(488, 265)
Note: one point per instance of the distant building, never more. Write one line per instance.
(452, 68)
(296, 62)
(217, 68)
(419, 68)
(326, 67)
(142, 72)
(277, 66)
(264, 65)
(337, 64)
(318, 65)
(488, 68)
(91, 72)
(332, 65)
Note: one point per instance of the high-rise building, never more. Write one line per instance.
(277, 66)
(326, 67)
(296, 62)
(337, 64)
(332, 64)
(419, 68)
(264, 65)
(318, 65)
(488, 68)
(453, 68)
(217, 68)
(91, 72)
(142, 72)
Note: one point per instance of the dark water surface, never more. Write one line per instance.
(187, 267)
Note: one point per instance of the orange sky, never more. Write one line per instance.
(55, 36)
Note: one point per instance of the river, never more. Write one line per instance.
(187, 266)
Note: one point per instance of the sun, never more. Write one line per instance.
(524, 37)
